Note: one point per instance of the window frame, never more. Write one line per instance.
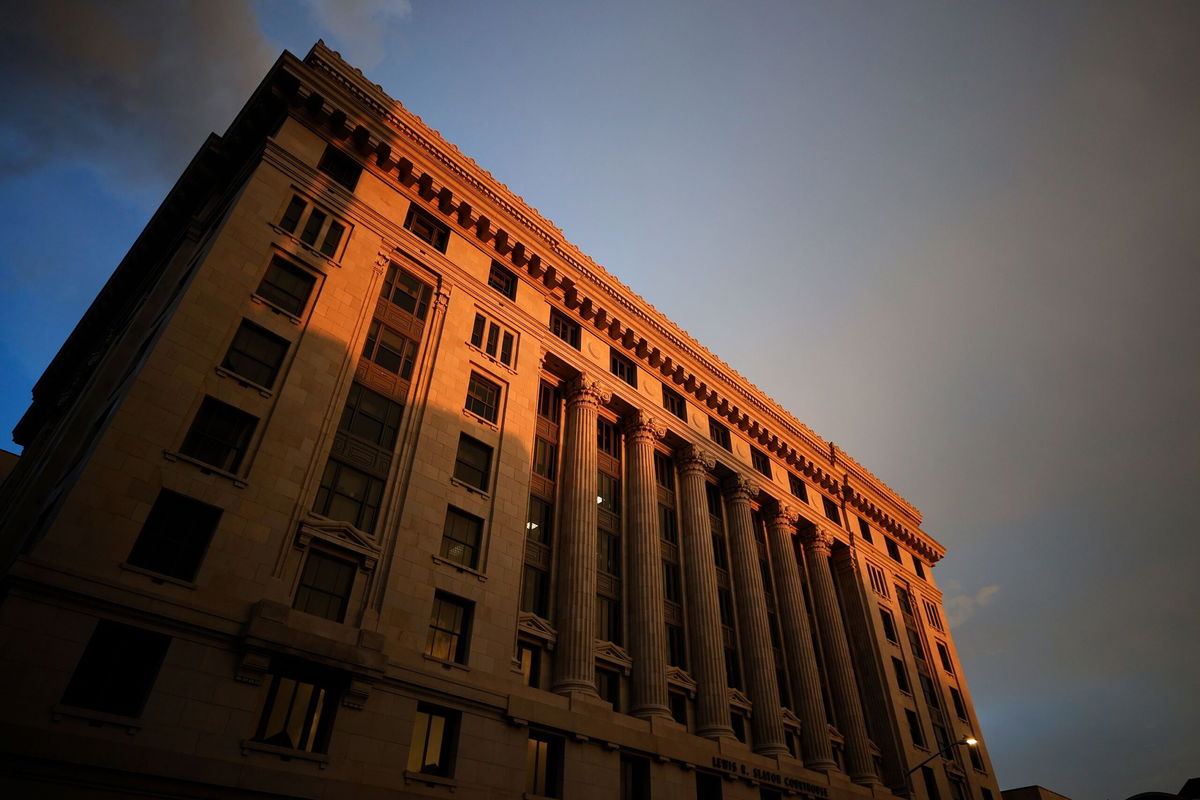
(719, 433)
(367, 515)
(760, 461)
(447, 744)
(460, 639)
(338, 165)
(117, 669)
(622, 366)
(458, 520)
(674, 402)
(465, 471)
(565, 328)
(287, 299)
(439, 236)
(197, 440)
(160, 536)
(479, 406)
(503, 280)
(308, 592)
(318, 722)
(270, 371)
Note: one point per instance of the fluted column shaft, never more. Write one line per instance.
(575, 550)
(753, 626)
(797, 642)
(648, 642)
(700, 582)
(842, 685)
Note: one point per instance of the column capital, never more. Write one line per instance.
(691, 458)
(817, 540)
(780, 515)
(739, 487)
(644, 425)
(583, 389)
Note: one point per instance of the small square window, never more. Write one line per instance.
(404, 290)
(797, 487)
(350, 495)
(300, 706)
(371, 417)
(760, 461)
(220, 435)
(256, 354)
(175, 536)
(434, 740)
(673, 401)
(483, 398)
(427, 228)
(832, 512)
(388, 349)
(544, 765)
(117, 670)
(503, 280)
(325, 586)
(449, 628)
(473, 464)
(719, 434)
(461, 536)
(622, 367)
(286, 286)
(864, 530)
(340, 167)
(564, 328)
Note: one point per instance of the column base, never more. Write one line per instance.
(577, 689)
(646, 712)
(867, 779)
(717, 732)
(823, 765)
(772, 750)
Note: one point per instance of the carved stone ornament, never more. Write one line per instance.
(614, 655)
(681, 679)
(643, 425)
(340, 535)
(383, 258)
(739, 487)
(818, 540)
(534, 626)
(781, 515)
(790, 719)
(691, 458)
(739, 700)
(583, 389)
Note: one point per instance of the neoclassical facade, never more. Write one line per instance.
(359, 480)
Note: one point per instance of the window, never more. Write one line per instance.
(738, 721)
(503, 280)
(940, 740)
(608, 552)
(545, 458)
(371, 416)
(708, 786)
(769, 794)
(219, 435)
(564, 328)
(426, 228)
(608, 686)
(904, 599)
(608, 619)
(405, 290)
(892, 549)
(987, 793)
(460, 537)
(719, 559)
(712, 496)
(668, 524)
(673, 401)
(434, 740)
(622, 367)
(117, 670)
(608, 493)
(299, 709)
(473, 464)
(529, 657)
(864, 529)
(957, 792)
(483, 398)
(931, 614)
(291, 217)
(535, 591)
(676, 650)
(944, 657)
(310, 234)
(960, 708)
(914, 641)
(976, 759)
(349, 495)
(931, 697)
(340, 167)
(496, 341)
(901, 676)
(797, 487)
(325, 586)
(725, 606)
(889, 626)
(914, 727)
(878, 581)
(719, 434)
(760, 461)
(664, 471)
(540, 522)
(733, 675)
(449, 628)
(549, 405)
(918, 567)
(175, 536)
(607, 438)
(544, 765)
(256, 354)
(672, 589)
(390, 350)
(635, 777)
(286, 286)
(677, 701)
(831, 510)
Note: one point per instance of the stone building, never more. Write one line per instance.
(358, 480)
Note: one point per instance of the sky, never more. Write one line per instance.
(960, 240)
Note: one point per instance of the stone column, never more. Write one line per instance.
(575, 548)
(703, 610)
(798, 643)
(818, 544)
(754, 630)
(648, 640)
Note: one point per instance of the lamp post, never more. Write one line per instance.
(969, 741)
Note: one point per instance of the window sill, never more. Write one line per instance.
(472, 415)
(309, 248)
(271, 306)
(286, 753)
(207, 469)
(429, 780)
(131, 724)
(472, 489)
(243, 382)
(493, 359)
(460, 567)
(446, 664)
(156, 577)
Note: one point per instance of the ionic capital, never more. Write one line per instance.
(780, 515)
(586, 391)
(817, 540)
(739, 488)
(690, 458)
(643, 426)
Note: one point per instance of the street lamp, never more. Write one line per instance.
(969, 741)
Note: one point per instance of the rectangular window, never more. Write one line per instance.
(370, 416)
(220, 435)
(299, 709)
(889, 626)
(535, 591)
(940, 740)
(760, 461)
(349, 495)
(976, 759)
(712, 496)
(708, 786)
(960, 708)
(494, 339)
(483, 398)
(404, 290)
(957, 791)
(256, 354)
(564, 328)
(608, 440)
(738, 722)
(392, 351)
(878, 580)
(892, 549)
(622, 367)
(673, 401)
(931, 614)
(286, 286)
(340, 167)
(316, 221)
(549, 406)
(608, 686)
(719, 434)
(529, 657)
(291, 217)
(914, 641)
(333, 237)
(668, 524)
(901, 676)
(944, 657)
(931, 698)
(719, 559)
(427, 228)
(117, 670)
(461, 536)
(904, 600)
(664, 471)
(678, 704)
(635, 777)
(676, 649)
(672, 588)
(797, 487)
(434, 740)
(449, 628)
(325, 586)
(545, 458)
(608, 619)
(540, 522)
(503, 280)
(608, 493)
(918, 567)
(725, 606)
(864, 529)
(175, 536)
(608, 552)
(831, 510)
(914, 728)
(544, 765)
(473, 464)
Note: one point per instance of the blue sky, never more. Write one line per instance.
(960, 240)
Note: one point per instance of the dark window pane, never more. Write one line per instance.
(673, 401)
(545, 457)
(371, 416)
(405, 290)
(390, 350)
(797, 487)
(483, 398)
(461, 537)
(286, 286)
(175, 536)
(291, 217)
(316, 221)
(300, 707)
(333, 237)
(622, 367)
(760, 461)
(325, 585)
(719, 434)
(424, 226)
(565, 329)
(219, 435)
(473, 464)
(350, 495)
(540, 523)
(117, 669)
(256, 354)
(341, 167)
(503, 281)
(831, 509)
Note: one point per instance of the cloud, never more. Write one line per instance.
(357, 28)
(962, 607)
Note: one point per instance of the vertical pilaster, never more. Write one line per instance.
(817, 546)
(798, 643)
(648, 642)
(753, 626)
(575, 550)
(700, 581)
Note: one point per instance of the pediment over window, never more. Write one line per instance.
(615, 655)
(739, 700)
(341, 536)
(681, 679)
(538, 628)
